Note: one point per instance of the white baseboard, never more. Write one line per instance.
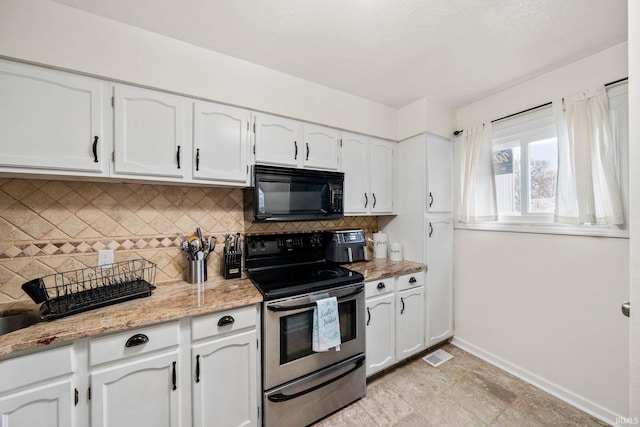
(561, 393)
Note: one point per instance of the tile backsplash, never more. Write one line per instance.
(53, 226)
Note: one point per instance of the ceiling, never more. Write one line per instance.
(389, 51)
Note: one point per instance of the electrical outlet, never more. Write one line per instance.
(105, 257)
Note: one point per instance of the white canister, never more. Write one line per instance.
(379, 245)
(395, 251)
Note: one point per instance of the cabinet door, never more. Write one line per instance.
(381, 173)
(409, 322)
(51, 121)
(48, 405)
(225, 384)
(439, 174)
(439, 278)
(220, 143)
(320, 147)
(381, 340)
(143, 393)
(355, 152)
(149, 133)
(277, 141)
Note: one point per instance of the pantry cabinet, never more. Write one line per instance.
(52, 122)
(149, 134)
(368, 173)
(224, 369)
(220, 143)
(410, 307)
(424, 224)
(40, 389)
(439, 152)
(380, 324)
(439, 300)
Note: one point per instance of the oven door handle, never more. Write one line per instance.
(281, 397)
(308, 305)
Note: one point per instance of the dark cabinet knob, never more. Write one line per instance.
(412, 280)
(381, 285)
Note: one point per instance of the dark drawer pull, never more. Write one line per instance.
(412, 280)
(137, 339)
(226, 320)
(381, 285)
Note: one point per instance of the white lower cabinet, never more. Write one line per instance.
(224, 369)
(134, 380)
(409, 315)
(39, 389)
(380, 325)
(395, 313)
(45, 405)
(137, 394)
(202, 371)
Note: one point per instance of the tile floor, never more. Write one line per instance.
(464, 391)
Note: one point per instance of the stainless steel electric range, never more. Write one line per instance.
(299, 385)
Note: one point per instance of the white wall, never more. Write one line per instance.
(425, 115)
(548, 306)
(634, 189)
(49, 33)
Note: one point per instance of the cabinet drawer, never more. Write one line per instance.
(378, 287)
(133, 342)
(222, 322)
(36, 367)
(412, 280)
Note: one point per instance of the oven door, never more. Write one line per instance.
(288, 327)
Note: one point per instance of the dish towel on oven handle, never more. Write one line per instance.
(326, 325)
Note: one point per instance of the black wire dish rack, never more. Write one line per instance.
(76, 291)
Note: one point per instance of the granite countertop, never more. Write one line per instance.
(168, 302)
(380, 268)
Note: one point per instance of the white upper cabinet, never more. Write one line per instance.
(220, 143)
(368, 175)
(277, 141)
(381, 172)
(355, 152)
(439, 174)
(51, 121)
(320, 147)
(149, 138)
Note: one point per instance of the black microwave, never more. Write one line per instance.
(289, 194)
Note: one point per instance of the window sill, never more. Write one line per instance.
(547, 228)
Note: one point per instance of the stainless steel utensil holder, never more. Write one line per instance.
(197, 271)
(75, 291)
(231, 265)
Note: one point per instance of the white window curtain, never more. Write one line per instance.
(477, 182)
(588, 190)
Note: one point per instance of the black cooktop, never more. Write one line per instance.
(292, 264)
(300, 279)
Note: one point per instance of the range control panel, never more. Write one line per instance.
(282, 244)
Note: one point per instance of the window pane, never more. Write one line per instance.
(543, 171)
(506, 163)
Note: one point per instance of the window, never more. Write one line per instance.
(525, 165)
(525, 157)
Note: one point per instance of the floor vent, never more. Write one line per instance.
(437, 358)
